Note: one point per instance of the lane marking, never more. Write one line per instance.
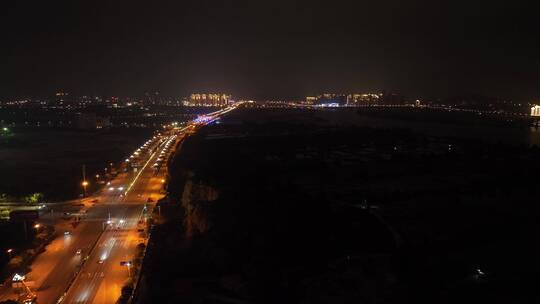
(139, 174)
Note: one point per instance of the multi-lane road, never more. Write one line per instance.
(101, 278)
(83, 264)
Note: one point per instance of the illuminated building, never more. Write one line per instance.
(208, 100)
(62, 98)
(311, 100)
(535, 111)
(342, 99)
(362, 99)
(327, 98)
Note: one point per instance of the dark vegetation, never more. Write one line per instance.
(25, 244)
(452, 117)
(282, 207)
(49, 161)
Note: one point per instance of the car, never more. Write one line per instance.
(66, 233)
(79, 251)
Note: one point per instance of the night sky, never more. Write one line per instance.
(270, 49)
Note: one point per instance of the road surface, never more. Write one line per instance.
(101, 278)
(83, 266)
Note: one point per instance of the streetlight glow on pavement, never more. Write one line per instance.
(93, 250)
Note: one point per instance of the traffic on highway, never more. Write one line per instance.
(92, 259)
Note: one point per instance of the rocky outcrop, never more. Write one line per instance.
(195, 200)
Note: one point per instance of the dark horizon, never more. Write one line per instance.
(270, 50)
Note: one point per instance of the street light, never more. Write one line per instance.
(37, 226)
(128, 265)
(84, 184)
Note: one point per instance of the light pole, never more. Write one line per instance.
(84, 184)
(128, 265)
(9, 251)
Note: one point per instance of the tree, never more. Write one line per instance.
(34, 198)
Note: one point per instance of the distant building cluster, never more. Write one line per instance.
(327, 99)
(535, 111)
(330, 99)
(369, 98)
(208, 100)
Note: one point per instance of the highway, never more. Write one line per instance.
(102, 277)
(82, 265)
(123, 199)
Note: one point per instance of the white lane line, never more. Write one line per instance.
(139, 174)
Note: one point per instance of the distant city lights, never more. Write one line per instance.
(535, 111)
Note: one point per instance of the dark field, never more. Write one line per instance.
(50, 160)
(287, 206)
